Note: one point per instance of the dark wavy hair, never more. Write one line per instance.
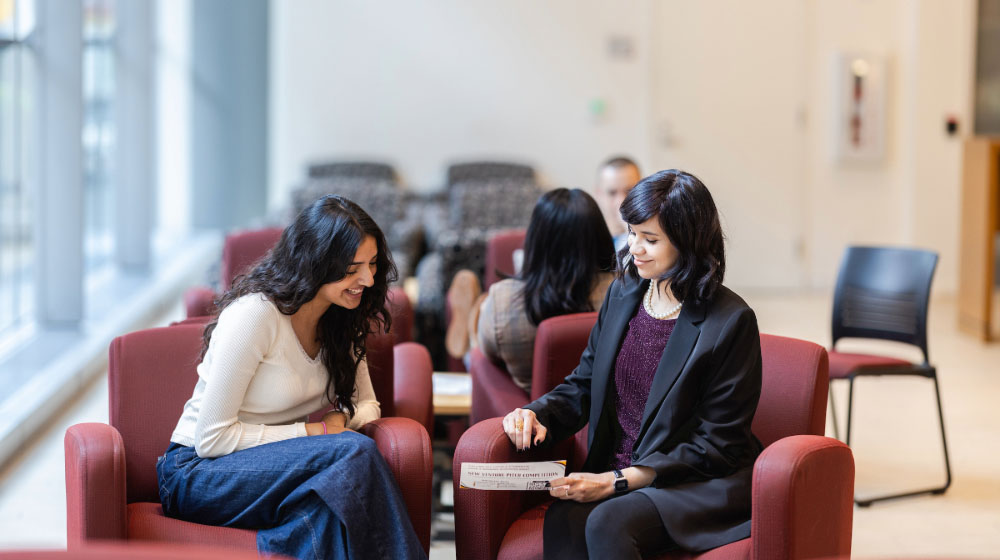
(317, 249)
(687, 214)
(566, 247)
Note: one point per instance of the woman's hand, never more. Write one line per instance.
(335, 418)
(583, 487)
(336, 422)
(520, 425)
(590, 487)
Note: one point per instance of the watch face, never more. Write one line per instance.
(621, 485)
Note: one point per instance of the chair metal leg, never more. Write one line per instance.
(944, 441)
(833, 412)
(944, 446)
(850, 408)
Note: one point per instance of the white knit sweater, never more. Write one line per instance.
(257, 385)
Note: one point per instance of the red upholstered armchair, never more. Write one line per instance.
(413, 390)
(244, 248)
(559, 342)
(109, 550)
(803, 483)
(240, 250)
(111, 486)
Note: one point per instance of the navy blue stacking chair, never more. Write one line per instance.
(882, 293)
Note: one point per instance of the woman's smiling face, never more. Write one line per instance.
(652, 252)
(347, 291)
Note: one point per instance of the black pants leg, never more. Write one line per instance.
(626, 526)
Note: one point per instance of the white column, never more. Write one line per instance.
(135, 173)
(59, 231)
(173, 121)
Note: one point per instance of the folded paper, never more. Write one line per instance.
(511, 476)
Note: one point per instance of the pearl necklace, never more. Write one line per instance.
(647, 302)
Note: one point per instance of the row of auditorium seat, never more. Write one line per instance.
(432, 234)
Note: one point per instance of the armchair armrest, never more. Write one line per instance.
(199, 301)
(407, 449)
(487, 514)
(803, 499)
(493, 390)
(413, 383)
(95, 484)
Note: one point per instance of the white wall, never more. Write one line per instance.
(857, 203)
(728, 96)
(425, 84)
(913, 196)
(421, 86)
(943, 84)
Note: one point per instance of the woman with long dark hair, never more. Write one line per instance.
(669, 384)
(289, 340)
(568, 263)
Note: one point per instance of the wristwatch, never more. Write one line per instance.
(621, 483)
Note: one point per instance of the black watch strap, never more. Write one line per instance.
(621, 483)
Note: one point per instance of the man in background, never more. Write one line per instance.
(615, 179)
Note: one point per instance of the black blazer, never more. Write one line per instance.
(695, 431)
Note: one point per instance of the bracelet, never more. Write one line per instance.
(324, 426)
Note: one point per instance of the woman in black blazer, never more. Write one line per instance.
(669, 384)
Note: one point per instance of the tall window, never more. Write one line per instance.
(987, 100)
(98, 133)
(18, 86)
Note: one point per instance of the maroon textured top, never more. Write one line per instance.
(635, 367)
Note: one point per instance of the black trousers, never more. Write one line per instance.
(620, 527)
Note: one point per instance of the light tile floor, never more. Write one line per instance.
(895, 447)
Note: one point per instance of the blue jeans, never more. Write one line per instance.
(321, 497)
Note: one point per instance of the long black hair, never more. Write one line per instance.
(317, 249)
(567, 246)
(687, 215)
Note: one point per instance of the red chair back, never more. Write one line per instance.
(793, 389)
(500, 255)
(244, 248)
(793, 392)
(151, 374)
(493, 390)
(402, 314)
(381, 365)
(559, 343)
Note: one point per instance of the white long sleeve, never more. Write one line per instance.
(256, 384)
(366, 407)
